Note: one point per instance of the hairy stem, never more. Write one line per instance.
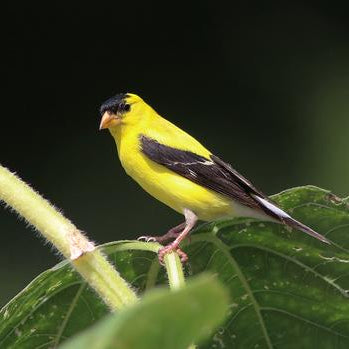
(175, 275)
(174, 270)
(68, 240)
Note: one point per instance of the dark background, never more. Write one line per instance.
(263, 85)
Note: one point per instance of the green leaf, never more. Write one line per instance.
(162, 319)
(58, 303)
(287, 290)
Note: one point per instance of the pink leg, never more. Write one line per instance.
(171, 234)
(190, 221)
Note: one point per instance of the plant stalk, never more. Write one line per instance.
(68, 240)
(175, 275)
(174, 270)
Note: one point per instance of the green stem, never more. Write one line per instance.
(174, 270)
(68, 240)
(175, 275)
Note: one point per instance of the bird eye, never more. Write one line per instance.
(124, 107)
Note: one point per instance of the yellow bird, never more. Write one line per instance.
(177, 170)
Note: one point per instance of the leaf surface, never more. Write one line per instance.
(286, 289)
(162, 319)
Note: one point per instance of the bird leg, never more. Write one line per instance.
(190, 221)
(171, 234)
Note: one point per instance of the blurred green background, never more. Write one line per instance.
(265, 86)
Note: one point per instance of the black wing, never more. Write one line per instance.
(220, 177)
(211, 173)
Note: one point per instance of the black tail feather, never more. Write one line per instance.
(300, 226)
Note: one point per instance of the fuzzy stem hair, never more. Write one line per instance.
(67, 239)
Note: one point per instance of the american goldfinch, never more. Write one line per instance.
(176, 169)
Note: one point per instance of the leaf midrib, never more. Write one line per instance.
(208, 237)
(225, 249)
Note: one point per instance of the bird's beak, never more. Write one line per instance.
(108, 120)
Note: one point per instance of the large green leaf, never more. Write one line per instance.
(162, 319)
(287, 289)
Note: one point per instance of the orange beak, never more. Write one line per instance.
(109, 120)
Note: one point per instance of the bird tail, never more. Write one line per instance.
(291, 222)
(279, 215)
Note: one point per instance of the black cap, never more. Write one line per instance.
(112, 104)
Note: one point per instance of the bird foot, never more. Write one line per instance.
(161, 238)
(148, 238)
(170, 248)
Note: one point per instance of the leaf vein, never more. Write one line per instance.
(68, 314)
(241, 276)
(318, 326)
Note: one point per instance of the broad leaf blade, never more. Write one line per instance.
(51, 308)
(162, 319)
(287, 289)
(58, 303)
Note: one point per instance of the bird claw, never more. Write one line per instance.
(147, 238)
(170, 248)
(182, 255)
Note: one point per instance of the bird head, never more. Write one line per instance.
(123, 108)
